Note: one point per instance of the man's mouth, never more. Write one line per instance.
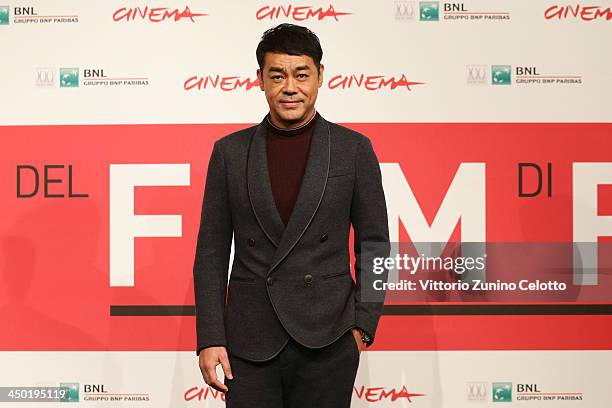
(290, 104)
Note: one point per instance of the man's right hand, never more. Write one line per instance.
(210, 358)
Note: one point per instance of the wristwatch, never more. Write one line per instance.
(365, 337)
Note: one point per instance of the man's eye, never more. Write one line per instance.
(276, 77)
(303, 76)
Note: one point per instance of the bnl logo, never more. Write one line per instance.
(502, 392)
(429, 11)
(71, 394)
(69, 77)
(4, 15)
(501, 74)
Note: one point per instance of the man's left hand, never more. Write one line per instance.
(357, 335)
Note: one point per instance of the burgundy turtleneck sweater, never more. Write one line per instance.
(287, 153)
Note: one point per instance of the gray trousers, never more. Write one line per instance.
(297, 377)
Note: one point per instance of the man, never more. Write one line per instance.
(292, 328)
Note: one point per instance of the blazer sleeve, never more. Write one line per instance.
(210, 269)
(371, 237)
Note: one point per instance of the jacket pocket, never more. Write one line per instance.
(241, 279)
(333, 275)
(340, 172)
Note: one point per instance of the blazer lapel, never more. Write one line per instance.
(260, 188)
(309, 196)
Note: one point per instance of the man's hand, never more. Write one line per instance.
(357, 335)
(210, 358)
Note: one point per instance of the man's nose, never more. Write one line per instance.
(290, 86)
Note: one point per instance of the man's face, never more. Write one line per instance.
(291, 84)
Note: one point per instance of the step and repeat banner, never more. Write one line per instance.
(492, 124)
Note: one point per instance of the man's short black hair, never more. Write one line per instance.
(289, 39)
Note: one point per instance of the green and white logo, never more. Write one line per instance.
(73, 392)
(4, 15)
(501, 74)
(429, 11)
(69, 77)
(502, 392)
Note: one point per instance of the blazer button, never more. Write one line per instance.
(323, 237)
(251, 242)
(308, 278)
(269, 281)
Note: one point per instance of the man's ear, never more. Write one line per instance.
(321, 74)
(260, 78)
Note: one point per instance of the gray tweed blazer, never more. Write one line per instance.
(292, 281)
